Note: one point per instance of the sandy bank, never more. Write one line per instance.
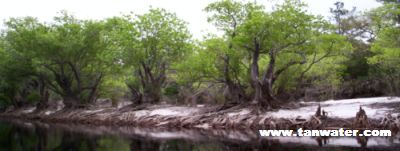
(340, 113)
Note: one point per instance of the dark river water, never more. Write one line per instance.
(16, 135)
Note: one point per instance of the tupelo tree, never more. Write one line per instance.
(280, 40)
(228, 15)
(70, 54)
(151, 43)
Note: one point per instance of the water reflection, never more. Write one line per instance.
(24, 136)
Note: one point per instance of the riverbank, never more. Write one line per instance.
(150, 138)
(244, 138)
(380, 113)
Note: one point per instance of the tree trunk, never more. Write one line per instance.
(258, 97)
(152, 93)
(152, 82)
(93, 90)
(70, 101)
(233, 92)
(136, 97)
(44, 95)
(268, 80)
(263, 93)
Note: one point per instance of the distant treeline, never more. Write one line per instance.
(263, 57)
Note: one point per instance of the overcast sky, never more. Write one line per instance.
(189, 10)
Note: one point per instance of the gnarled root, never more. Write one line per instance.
(361, 120)
(315, 122)
(390, 122)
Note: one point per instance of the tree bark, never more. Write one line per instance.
(44, 95)
(70, 101)
(152, 93)
(263, 93)
(136, 96)
(258, 97)
(233, 93)
(93, 89)
(151, 83)
(268, 80)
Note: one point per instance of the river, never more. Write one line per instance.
(18, 135)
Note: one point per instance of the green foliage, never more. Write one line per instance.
(200, 63)
(312, 45)
(228, 14)
(150, 55)
(387, 58)
(152, 38)
(72, 54)
(172, 89)
(387, 44)
(150, 44)
(33, 98)
(16, 75)
(387, 48)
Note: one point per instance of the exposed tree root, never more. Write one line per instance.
(232, 117)
(390, 122)
(361, 120)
